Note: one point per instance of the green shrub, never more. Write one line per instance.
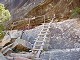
(75, 12)
(1, 31)
(4, 16)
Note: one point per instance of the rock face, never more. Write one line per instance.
(65, 54)
(6, 39)
(2, 57)
(17, 58)
(15, 33)
(64, 42)
(48, 8)
(20, 8)
(23, 42)
(65, 34)
(29, 8)
(31, 34)
(21, 45)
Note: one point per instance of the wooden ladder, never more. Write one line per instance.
(43, 37)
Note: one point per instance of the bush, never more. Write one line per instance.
(76, 12)
(4, 16)
(1, 31)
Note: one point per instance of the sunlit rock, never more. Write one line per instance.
(65, 54)
(21, 45)
(6, 39)
(2, 57)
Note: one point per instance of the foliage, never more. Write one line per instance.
(1, 31)
(4, 16)
(75, 12)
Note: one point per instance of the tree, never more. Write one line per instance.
(4, 16)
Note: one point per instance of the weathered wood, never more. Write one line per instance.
(3, 49)
(41, 39)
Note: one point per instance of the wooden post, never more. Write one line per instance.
(29, 23)
(44, 18)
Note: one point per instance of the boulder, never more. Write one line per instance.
(64, 54)
(30, 35)
(6, 39)
(7, 49)
(2, 57)
(15, 33)
(65, 34)
(17, 58)
(21, 45)
(10, 37)
(7, 52)
(26, 55)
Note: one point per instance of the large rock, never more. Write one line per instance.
(2, 57)
(15, 33)
(30, 35)
(21, 45)
(11, 36)
(65, 54)
(26, 55)
(17, 58)
(6, 39)
(65, 34)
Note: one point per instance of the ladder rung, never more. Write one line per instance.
(38, 42)
(49, 27)
(38, 48)
(44, 31)
(46, 36)
(39, 45)
(43, 34)
(37, 59)
(45, 26)
(40, 36)
(42, 39)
